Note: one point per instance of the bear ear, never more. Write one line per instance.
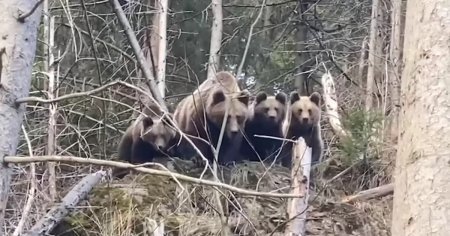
(218, 96)
(294, 97)
(315, 98)
(244, 97)
(281, 97)
(146, 123)
(261, 96)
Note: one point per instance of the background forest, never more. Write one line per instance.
(82, 46)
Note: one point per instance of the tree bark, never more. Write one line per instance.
(216, 39)
(162, 45)
(18, 30)
(422, 186)
(395, 60)
(372, 57)
(300, 59)
(51, 141)
(300, 178)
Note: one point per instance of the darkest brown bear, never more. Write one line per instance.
(151, 135)
(266, 118)
(201, 115)
(303, 121)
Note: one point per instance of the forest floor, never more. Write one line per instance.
(132, 205)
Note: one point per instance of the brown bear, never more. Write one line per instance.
(151, 135)
(266, 118)
(303, 121)
(201, 115)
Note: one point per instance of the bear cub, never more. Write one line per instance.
(267, 118)
(303, 121)
(151, 135)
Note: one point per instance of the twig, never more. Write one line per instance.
(275, 138)
(81, 160)
(250, 35)
(22, 17)
(380, 191)
(69, 96)
(138, 52)
(57, 213)
(27, 208)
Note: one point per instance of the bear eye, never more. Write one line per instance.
(309, 110)
(266, 109)
(300, 110)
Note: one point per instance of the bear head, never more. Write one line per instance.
(270, 109)
(305, 110)
(237, 107)
(157, 132)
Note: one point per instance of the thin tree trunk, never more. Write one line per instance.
(300, 59)
(162, 45)
(18, 28)
(51, 142)
(422, 186)
(371, 58)
(395, 59)
(216, 39)
(362, 60)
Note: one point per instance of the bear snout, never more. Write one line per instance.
(305, 120)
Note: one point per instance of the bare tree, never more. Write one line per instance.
(422, 186)
(162, 54)
(216, 38)
(372, 57)
(395, 59)
(18, 27)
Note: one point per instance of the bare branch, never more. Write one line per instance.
(371, 193)
(22, 17)
(81, 160)
(249, 39)
(139, 54)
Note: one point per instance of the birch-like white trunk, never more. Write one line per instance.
(17, 52)
(51, 141)
(331, 105)
(216, 39)
(162, 45)
(422, 178)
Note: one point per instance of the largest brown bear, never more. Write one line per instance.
(201, 115)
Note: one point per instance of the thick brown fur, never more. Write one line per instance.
(303, 121)
(151, 135)
(266, 118)
(201, 115)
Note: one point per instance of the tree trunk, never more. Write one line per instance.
(18, 29)
(395, 59)
(216, 39)
(162, 45)
(422, 186)
(372, 57)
